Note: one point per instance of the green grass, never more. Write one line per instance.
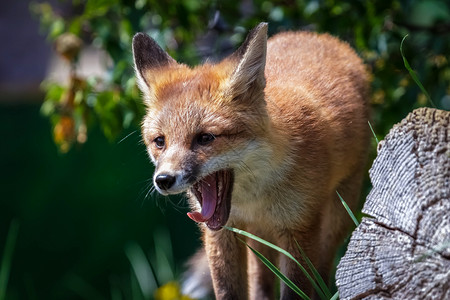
(141, 269)
(349, 211)
(316, 280)
(373, 132)
(316, 274)
(413, 74)
(151, 272)
(8, 252)
(278, 273)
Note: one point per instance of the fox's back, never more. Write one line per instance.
(316, 94)
(313, 61)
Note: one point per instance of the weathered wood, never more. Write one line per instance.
(403, 250)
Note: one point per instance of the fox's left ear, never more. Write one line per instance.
(148, 59)
(250, 61)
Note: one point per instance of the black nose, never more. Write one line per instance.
(165, 181)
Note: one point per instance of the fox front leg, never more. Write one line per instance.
(261, 279)
(227, 262)
(308, 239)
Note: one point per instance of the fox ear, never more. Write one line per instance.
(148, 56)
(251, 61)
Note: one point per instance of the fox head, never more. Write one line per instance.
(204, 125)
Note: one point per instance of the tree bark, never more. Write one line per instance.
(402, 249)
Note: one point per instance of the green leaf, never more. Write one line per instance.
(142, 269)
(278, 273)
(56, 28)
(349, 211)
(373, 132)
(163, 262)
(75, 26)
(48, 108)
(335, 296)
(7, 257)
(315, 273)
(281, 250)
(54, 92)
(413, 74)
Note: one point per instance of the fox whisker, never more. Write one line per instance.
(127, 136)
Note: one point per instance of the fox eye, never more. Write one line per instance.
(205, 138)
(159, 142)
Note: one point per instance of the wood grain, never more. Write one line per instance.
(402, 251)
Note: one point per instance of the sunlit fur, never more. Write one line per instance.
(292, 125)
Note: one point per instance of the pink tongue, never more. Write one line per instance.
(208, 189)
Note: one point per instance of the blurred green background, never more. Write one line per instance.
(77, 220)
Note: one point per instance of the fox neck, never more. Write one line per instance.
(264, 169)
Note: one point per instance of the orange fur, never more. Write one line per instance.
(287, 126)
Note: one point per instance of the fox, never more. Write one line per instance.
(260, 141)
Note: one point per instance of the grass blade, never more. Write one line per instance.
(7, 257)
(335, 296)
(277, 272)
(317, 277)
(142, 269)
(373, 132)
(281, 250)
(413, 74)
(349, 211)
(163, 262)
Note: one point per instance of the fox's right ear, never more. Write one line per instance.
(250, 62)
(148, 58)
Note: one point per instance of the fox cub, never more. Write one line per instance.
(260, 141)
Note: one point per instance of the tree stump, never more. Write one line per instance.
(402, 250)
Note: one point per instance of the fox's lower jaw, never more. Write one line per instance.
(213, 192)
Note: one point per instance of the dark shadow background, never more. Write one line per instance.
(76, 212)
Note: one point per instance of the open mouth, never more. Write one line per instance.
(213, 192)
